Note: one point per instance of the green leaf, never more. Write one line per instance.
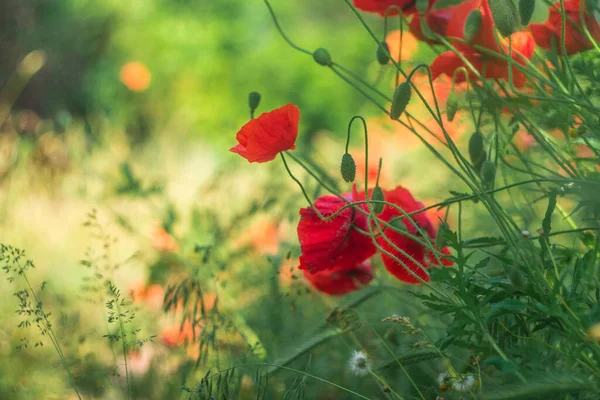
(508, 306)
(502, 365)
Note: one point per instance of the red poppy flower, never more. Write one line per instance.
(336, 243)
(379, 6)
(339, 281)
(575, 39)
(424, 258)
(436, 19)
(488, 65)
(262, 138)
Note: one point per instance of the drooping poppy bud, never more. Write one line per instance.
(526, 8)
(440, 239)
(505, 16)
(451, 106)
(488, 173)
(382, 56)
(253, 101)
(348, 168)
(322, 57)
(378, 196)
(472, 25)
(398, 224)
(476, 151)
(400, 100)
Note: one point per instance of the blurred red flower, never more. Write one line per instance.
(262, 138)
(424, 258)
(177, 334)
(436, 19)
(340, 281)
(488, 65)
(379, 6)
(575, 38)
(336, 243)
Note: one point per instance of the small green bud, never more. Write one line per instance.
(488, 172)
(398, 225)
(348, 168)
(472, 25)
(378, 196)
(451, 106)
(322, 57)
(400, 100)
(253, 100)
(382, 57)
(476, 151)
(526, 8)
(505, 16)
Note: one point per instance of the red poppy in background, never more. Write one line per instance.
(262, 138)
(488, 65)
(402, 198)
(436, 19)
(340, 281)
(575, 38)
(336, 243)
(379, 6)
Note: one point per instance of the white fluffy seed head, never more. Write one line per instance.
(359, 363)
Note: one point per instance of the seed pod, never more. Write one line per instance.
(382, 57)
(348, 168)
(378, 196)
(398, 225)
(488, 173)
(253, 100)
(505, 16)
(476, 151)
(322, 57)
(400, 100)
(526, 8)
(472, 25)
(451, 106)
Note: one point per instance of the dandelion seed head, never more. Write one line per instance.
(465, 384)
(359, 363)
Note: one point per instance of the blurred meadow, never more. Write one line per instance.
(164, 258)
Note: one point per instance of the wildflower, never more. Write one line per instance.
(135, 76)
(380, 6)
(464, 384)
(335, 243)
(262, 138)
(392, 240)
(525, 234)
(436, 20)
(444, 381)
(340, 281)
(575, 38)
(489, 65)
(359, 363)
(178, 334)
(163, 241)
(396, 39)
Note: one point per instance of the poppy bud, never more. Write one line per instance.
(526, 8)
(378, 196)
(472, 25)
(398, 225)
(382, 57)
(476, 151)
(348, 168)
(253, 100)
(451, 106)
(505, 16)
(488, 173)
(400, 100)
(322, 57)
